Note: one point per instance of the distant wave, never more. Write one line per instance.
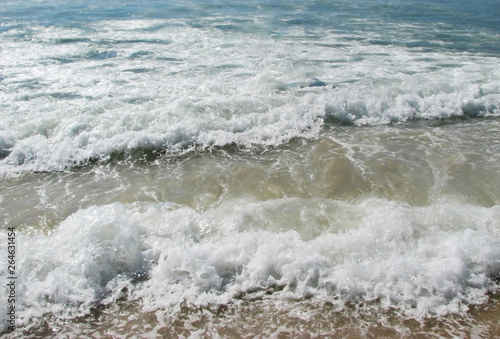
(81, 145)
(113, 89)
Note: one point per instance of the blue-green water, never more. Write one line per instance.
(249, 168)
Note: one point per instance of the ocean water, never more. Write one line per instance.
(251, 168)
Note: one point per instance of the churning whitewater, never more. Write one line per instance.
(231, 169)
(77, 92)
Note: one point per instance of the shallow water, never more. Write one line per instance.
(286, 170)
(373, 238)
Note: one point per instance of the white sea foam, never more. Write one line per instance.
(74, 94)
(395, 221)
(91, 256)
(421, 261)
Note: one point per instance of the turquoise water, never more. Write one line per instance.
(251, 168)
